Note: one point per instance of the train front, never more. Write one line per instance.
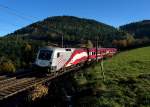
(44, 58)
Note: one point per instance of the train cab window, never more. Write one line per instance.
(58, 54)
(45, 54)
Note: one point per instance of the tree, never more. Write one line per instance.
(27, 54)
(124, 43)
(130, 39)
(89, 44)
(115, 42)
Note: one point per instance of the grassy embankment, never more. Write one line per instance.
(127, 81)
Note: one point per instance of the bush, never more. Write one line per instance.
(38, 92)
(90, 101)
(7, 67)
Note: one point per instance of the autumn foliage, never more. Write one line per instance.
(128, 41)
(7, 66)
(38, 92)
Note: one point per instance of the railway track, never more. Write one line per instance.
(13, 76)
(8, 79)
(2, 77)
(14, 85)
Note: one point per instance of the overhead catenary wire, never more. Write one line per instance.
(20, 15)
(9, 23)
(4, 26)
(17, 13)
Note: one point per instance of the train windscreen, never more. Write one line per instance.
(45, 55)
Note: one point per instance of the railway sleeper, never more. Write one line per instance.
(7, 92)
(2, 94)
(15, 83)
(15, 90)
(7, 84)
(7, 80)
(21, 86)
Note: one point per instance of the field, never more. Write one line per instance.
(130, 63)
(126, 81)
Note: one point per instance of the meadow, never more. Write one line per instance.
(124, 81)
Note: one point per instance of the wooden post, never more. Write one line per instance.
(102, 69)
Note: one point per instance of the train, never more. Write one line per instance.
(55, 59)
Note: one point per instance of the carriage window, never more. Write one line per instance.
(92, 53)
(58, 54)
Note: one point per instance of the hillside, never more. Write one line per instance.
(20, 48)
(140, 29)
(74, 30)
(126, 84)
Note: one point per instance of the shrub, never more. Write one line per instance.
(7, 67)
(38, 92)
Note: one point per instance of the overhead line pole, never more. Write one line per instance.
(62, 41)
(97, 49)
(102, 64)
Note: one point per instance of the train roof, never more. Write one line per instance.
(71, 49)
(57, 49)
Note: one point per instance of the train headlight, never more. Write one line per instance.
(53, 67)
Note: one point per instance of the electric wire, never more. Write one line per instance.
(16, 13)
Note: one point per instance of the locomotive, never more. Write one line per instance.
(55, 59)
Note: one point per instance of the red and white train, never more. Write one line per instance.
(57, 58)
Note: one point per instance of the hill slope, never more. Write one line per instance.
(73, 29)
(127, 81)
(21, 46)
(140, 29)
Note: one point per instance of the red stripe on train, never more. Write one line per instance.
(80, 60)
(75, 53)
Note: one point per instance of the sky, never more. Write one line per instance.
(15, 14)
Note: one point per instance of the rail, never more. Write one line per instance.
(14, 85)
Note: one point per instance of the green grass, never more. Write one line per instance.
(133, 62)
(126, 84)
